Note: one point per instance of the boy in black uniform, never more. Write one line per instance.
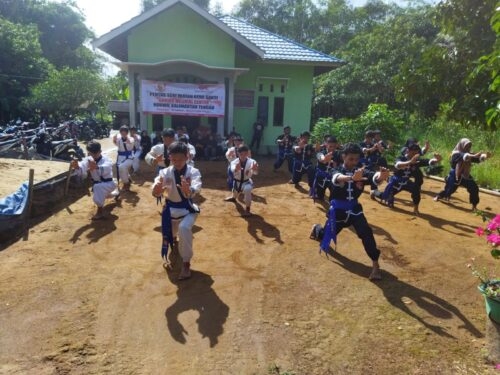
(303, 153)
(285, 149)
(328, 158)
(407, 166)
(376, 158)
(348, 183)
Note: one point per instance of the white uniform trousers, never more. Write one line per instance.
(101, 191)
(246, 189)
(136, 163)
(183, 229)
(124, 169)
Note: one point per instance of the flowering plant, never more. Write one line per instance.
(490, 285)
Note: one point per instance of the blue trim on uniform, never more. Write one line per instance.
(331, 223)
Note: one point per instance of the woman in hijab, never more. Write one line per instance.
(461, 163)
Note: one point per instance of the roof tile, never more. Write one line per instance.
(276, 47)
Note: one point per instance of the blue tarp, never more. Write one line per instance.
(15, 203)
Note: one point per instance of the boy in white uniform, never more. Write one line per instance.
(125, 144)
(180, 182)
(243, 168)
(100, 168)
(158, 156)
(137, 151)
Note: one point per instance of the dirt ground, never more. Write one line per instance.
(16, 171)
(82, 297)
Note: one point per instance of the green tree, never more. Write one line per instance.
(119, 86)
(62, 30)
(374, 57)
(21, 65)
(68, 91)
(445, 72)
(295, 19)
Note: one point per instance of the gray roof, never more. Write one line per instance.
(276, 47)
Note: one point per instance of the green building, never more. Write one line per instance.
(177, 46)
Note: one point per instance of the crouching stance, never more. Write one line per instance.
(461, 163)
(347, 185)
(407, 166)
(100, 169)
(180, 182)
(242, 169)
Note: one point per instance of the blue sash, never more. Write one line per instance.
(331, 223)
(166, 223)
(125, 153)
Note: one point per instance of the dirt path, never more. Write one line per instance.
(92, 298)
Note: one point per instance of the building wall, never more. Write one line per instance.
(298, 98)
(180, 33)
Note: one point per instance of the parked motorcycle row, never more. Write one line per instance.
(45, 141)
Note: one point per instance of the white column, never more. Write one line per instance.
(132, 99)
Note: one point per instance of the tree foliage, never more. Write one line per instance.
(21, 64)
(68, 90)
(38, 37)
(62, 31)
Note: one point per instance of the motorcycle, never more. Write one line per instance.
(66, 149)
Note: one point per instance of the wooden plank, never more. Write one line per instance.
(30, 202)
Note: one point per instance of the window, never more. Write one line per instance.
(261, 87)
(279, 111)
(271, 88)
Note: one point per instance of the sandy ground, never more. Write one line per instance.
(82, 297)
(16, 171)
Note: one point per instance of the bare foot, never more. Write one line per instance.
(375, 275)
(416, 211)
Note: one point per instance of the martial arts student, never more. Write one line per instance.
(285, 144)
(459, 175)
(303, 152)
(179, 183)
(406, 167)
(125, 144)
(191, 149)
(328, 159)
(348, 183)
(232, 154)
(158, 156)
(100, 169)
(137, 151)
(243, 168)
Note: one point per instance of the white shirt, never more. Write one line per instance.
(156, 151)
(248, 171)
(104, 170)
(192, 174)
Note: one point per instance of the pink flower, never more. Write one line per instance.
(493, 239)
(493, 224)
(479, 231)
